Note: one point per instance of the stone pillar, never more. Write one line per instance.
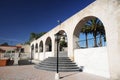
(70, 47)
(44, 49)
(54, 47)
(16, 58)
(114, 38)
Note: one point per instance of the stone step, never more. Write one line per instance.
(64, 64)
(48, 62)
(65, 67)
(60, 58)
(54, 60)
(59, 61)
(60, 70)
(51, 61)
(53, 64)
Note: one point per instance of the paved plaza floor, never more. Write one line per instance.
(28, 72)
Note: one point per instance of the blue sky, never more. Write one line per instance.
(18, 18)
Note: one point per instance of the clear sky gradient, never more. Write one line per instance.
(18, 18)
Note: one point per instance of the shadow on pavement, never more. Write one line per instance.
(68, 75)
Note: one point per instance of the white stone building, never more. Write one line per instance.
(102, 61)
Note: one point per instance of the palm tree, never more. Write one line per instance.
(86, 30)
(94, 30)
(101, 31)
(93, 24)
(40, 34)
(97, 28)
(34, 36)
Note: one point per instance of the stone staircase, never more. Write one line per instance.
(50, 64)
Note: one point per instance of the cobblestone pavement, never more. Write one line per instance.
(28, 72)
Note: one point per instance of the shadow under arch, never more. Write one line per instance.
(36, 47)
(48, 44)
(41, 46)
(32, 51)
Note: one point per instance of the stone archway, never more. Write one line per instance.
(92, 57)
(32, 51)
(48, 45)
(41, 46)
(63, 44)
(85, 29)
(36, 48)
(109, 13)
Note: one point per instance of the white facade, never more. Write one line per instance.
(93, 60)
(108, 11)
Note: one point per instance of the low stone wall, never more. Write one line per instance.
(41, 56)
(93, 60)
(48, 54)
(25, 55)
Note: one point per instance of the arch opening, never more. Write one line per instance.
(36, 47)
(41, 46)
(63, 44)
(90, 46)
(89, 33)
(48, 44)
(32, 51)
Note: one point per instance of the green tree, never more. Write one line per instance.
(96, 28)
(40, 34)
(101, 32)
(93, 24)
(4, 44)
(86, 30)
(63, 43)
(34, 36)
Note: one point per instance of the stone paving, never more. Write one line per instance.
(28, 72)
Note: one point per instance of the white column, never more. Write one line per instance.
(16, 58)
